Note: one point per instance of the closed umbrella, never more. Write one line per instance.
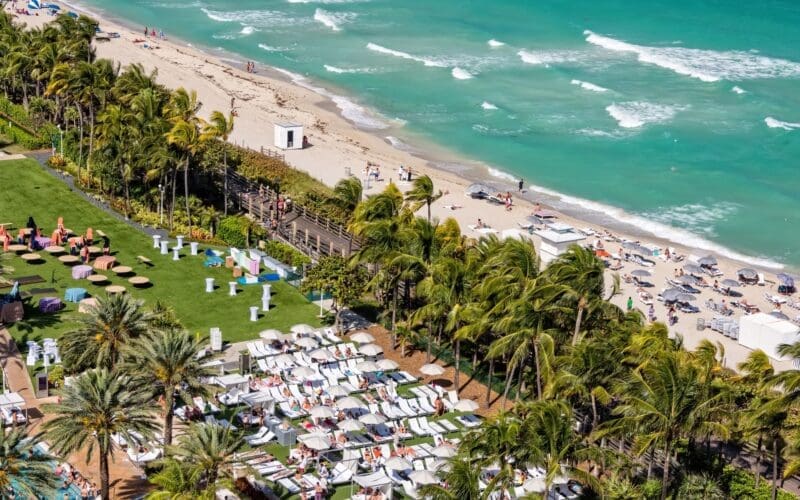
(318, 442)
(321, 355)
(398, 463)
(337, 391)
(372, 419)
(387, 365)
(686, 279)
(302, 329)
(306, 343)
(272, 335)
(730, 283)
(641, 273)
(466, 405)
(747, 273)
(367, 367)
(422, 477)
(362, 338)
(443, 451)
(431, 369)
(370, 349)
(349, 403)
(693, 269)
(350, 425)
(303, 372)
(708, 260)
(322, 412)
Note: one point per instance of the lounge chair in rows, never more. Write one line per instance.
(211, 419)
(263, 436)
(469, 421)
(206, 407)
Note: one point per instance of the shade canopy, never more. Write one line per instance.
(322, 412)
(318, 442)
(337, 391)
(431, 369)
(466, 405)
(303, 372)
(370, 349)
(321, 355)
(478, 189)
(367, 367)
(747, 273)
(421, 477)
(302, 328)
(272, 335)
(443, 451)
(349, 403)
(641, 273)
(785, 279)
(398, 463)
(372, 419)
(730, 283)
(388, 365)
(693, 269)
(306, 343)
(708, 260)
(350, 425)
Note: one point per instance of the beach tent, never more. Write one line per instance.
(766, 332)
(34, 4)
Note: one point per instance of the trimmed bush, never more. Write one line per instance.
(286, 254)
(235, 229)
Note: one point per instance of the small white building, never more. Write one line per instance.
(766, 332)
(556, 239)
(288, 136)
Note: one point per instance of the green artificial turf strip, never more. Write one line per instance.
(28, 190)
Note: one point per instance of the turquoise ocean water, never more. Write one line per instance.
(681, 117)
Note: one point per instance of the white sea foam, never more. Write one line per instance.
(255, 18)
(333, 20)
(647, 223)
(636, 114)
(593, 132)
(502, 175)
(775, 123)
(488, 106)
(248, 30)
(349, 109)
(589, 86)
(546, 58)
(336, 69)
(461, 74)
(705, 65)
(738, 90)
(270, 48)
(405, 55)
(326, 1)
(400, 145)
(495, 43)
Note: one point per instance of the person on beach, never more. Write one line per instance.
(630, 304)
(480, 224)
(521, 183)
(146, 31)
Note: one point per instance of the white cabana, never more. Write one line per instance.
(374, 480)
(766, 332)
(556, 239)
(259, 400)
(288, 136)
(233, 380)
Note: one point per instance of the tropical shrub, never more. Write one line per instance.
(286, 254)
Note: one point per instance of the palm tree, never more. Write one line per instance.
(423, 192)
(185, 135)
(175, 481)
(497, 443)
(103, 333)
(95, 406)
(220, 127)
(582, 273)
(700, 487)
(210, 449)
(463, 480)
(170, 361)
(24, 469)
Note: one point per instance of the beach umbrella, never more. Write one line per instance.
(478, 189)
(747, 273)
(387, 365)
(708, 260)
(693, 269)
(671, 294)
(372, 419)
(367, 367)
(545, 214)
(785, 279)
(306, 343)
(302, 329)
(318, 442)
(350, 425)
(272, 335)
(370, 349)
(321, 355)
(730, 283)
(362, 338)
(322, 412)
(303, 372)
(431, 369)
(422, 477)
(685, 297)
(641, 273)
(466, 405)
(630, 245)
(686, 279)
(337, 391)
(349, 403)
(440, 464)
(443, 451)
(397, 463)
(534, 485)
(644, 251)
(779, 315)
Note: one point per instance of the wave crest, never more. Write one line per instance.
(775, 123)
(461, 74)
(639, 113)
(405, 55)
(333, 20)
(589, 86)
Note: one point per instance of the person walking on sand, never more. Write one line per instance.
(521, 183)
(630, 304)
(146, 31)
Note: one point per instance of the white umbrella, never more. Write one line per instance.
(372, 419)
(367, 366)
(302, 328)
(272, 335)
(322, 412)
(318, 442)
(431, 369)
(466, 405)
(387, 365)
(336, 391)
(321, 355)
(303, 372)
(398, 463)
(423, 477)
(444, 451)
(349, 403)
(350, 425)
(306, 343)
(534, 485)
(370, 349)
(362, 338)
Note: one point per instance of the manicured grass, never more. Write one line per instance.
(28, 190)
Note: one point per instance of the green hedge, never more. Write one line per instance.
(740, 485)
(235, 229)
(16, 124)
(286, 254)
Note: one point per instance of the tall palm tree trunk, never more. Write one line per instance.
(578, 320)
(774, 467)
(104, 480)
(489, 382)
(456, 377)
(665, 473)
(225, 181)
(430, 341)
(759, 459)
(168, 417)
(186, 194)
(172, 204)
(91, 146)
(538, 371)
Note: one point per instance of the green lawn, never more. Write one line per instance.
(28, 190)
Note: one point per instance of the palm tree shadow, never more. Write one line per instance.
(130, 487)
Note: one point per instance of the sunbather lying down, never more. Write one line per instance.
(453, 207)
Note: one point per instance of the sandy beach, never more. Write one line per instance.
(269, 97)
